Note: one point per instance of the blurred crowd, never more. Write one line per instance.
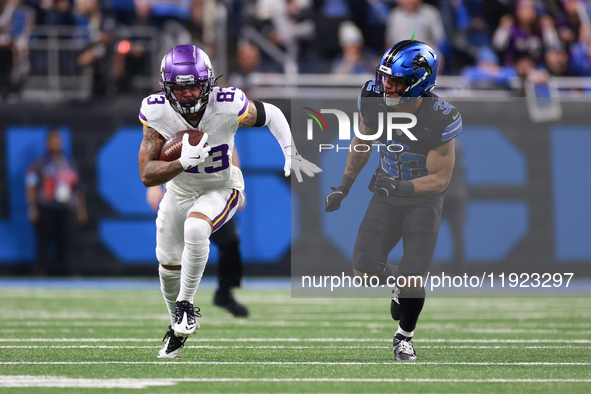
(488, 42)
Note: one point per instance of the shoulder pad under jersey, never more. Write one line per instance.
(152, 108)
(230, 101)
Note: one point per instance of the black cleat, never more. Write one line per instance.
(225, 299)
(185, 323)
(173, 345)
(395, 304)
(404, 349)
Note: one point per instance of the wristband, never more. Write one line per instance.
(346, 182)
(288, 151)
(404, 188)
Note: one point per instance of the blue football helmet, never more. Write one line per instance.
(186, 65)
(415, 64)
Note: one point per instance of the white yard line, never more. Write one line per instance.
(397, 363)
(36, 324)
(289, 314)
(418, 340)
(228, 321)
(66, 382)
(385, 380)
(140, 383)
(281, 347)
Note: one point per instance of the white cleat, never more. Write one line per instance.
(404, 349)
(173, 346)
(185, 323)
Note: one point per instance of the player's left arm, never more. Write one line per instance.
(257, 115)
(261, 114)
(440, 165)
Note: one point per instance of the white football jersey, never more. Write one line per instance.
(225, 109)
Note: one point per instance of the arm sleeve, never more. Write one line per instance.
(454, 128)
(279, 127)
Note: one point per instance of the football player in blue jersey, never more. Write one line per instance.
(409, 183)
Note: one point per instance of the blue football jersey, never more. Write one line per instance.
(400, 156)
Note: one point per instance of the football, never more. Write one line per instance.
(171, 150)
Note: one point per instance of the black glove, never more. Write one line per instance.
(385, 185)
(333, 200)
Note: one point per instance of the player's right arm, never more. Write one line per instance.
(153, 171)
(356, 160)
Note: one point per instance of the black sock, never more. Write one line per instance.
(402, 337)
(410, 309)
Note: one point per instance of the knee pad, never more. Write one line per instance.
(197, 231)
(367, 264)
(167, 258)
(166, 273)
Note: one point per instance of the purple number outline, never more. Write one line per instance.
(223, 157)
(222, 96)
(157, 100)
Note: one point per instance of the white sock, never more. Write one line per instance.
(170, 282)
(194, 258)
(407, 334)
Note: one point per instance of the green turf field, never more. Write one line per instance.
(106, 341)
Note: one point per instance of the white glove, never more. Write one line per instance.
(192, 156)
(298, 164)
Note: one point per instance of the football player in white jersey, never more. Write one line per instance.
(204, 189)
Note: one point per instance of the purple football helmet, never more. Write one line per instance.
(186, 65)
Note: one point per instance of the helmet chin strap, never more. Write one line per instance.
(394, 102)
(190, 106)
(418, 82)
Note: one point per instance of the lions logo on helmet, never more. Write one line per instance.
(420, 62)
(415, 62)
